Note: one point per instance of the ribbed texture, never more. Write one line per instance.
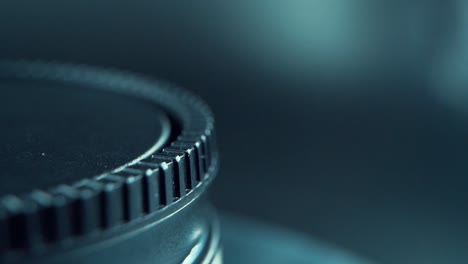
(42, 217)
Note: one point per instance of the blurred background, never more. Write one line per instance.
(345, 120)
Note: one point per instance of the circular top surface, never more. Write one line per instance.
(84, 150)
(57, 133)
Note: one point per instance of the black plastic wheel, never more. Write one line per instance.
(100, 165)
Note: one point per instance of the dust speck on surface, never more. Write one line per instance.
(42, 154)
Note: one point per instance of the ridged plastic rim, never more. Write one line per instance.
(114, 198)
